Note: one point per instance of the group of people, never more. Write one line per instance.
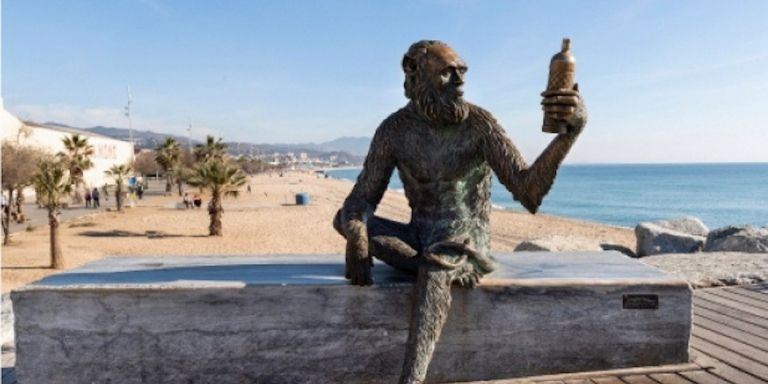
(92, 198)
(194, 201)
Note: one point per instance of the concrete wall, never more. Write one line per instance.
(288, 320)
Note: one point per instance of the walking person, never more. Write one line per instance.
(87, 198)
(95, 195)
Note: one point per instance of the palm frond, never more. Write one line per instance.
(52, 183)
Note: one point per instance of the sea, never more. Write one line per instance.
(627, 194)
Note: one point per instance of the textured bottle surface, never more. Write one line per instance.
(562, 71)
(562, 68)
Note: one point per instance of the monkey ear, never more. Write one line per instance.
(409, 65)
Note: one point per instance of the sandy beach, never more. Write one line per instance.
(265, 221)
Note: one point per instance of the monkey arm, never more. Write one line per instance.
(371, 183)
(361, 203)
(528, 184)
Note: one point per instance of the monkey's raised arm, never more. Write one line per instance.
(528, 184)
(372, 181)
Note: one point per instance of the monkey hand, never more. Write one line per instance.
(566, 106)
(358, 262)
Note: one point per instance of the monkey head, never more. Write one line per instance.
(434, 79)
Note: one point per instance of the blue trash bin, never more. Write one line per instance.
(302, 198)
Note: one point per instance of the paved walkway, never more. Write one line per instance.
(38, 217)
(729, 345)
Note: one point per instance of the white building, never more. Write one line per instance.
(106, 151)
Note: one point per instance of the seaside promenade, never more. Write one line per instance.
(38, 217)
(266, 221)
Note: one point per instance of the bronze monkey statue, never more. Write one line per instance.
(444, 149)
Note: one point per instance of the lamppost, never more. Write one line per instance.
(189, 136)
(130, 123)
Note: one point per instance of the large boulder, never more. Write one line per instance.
(682, 235)
(687, 224)
(738, 239)
(559, 244)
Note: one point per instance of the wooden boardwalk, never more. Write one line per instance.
(729, 345)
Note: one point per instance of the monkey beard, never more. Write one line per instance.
(436, 104)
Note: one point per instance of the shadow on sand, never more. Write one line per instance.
(121, 233)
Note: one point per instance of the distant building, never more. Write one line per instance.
(106, 151)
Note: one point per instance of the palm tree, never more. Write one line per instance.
(53, 184)
(222, 180)
(212, 150)
(118, 173)
(168, 155)
(77, 158)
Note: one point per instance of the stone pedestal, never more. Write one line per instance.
(295, 320)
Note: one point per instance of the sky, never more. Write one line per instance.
(664, 81)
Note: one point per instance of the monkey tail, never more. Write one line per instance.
(467, 252)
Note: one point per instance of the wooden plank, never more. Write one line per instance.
(670, 378)
(614, 372)
(551, 382)
(731, 358)
(579, 381)
(731, 322)
(703, 377)
(740, 299)
(723, 341)
(725, 371)
(763, 314)
(607, 380)
(762, 296)
(728, 311)
(702, 326)
(638, 379)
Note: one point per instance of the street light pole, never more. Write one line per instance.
(130, 122)
(189, 136)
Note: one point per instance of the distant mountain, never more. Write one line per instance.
(141, 139)
(344, 149)
(355, 145)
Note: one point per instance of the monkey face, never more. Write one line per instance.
(445, 71)
(434, 76)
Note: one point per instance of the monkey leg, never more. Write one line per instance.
(390, 241)
(431, 303)
(444, 263)
(394, 243)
